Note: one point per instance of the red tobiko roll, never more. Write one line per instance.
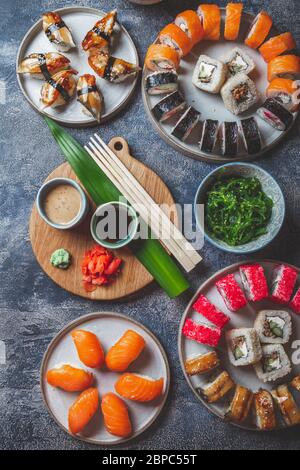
(283, 284)
(231, 293)
(295, 303)
(210, 312)
(201, 333)
(254, 282)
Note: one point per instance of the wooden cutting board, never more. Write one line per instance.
(45, 239)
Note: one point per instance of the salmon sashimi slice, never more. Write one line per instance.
(70, 379)
(233, 21)
(162, 57)
(173, 36)
(116, 416)
(139, 388)
(210, 16)
(259, 30)
(277, 46)
(99, 36)
(83, 409)
(191, 25)
(89, 348)
(286, 92)
(125, 351)
(285, 66)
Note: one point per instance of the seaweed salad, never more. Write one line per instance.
(237, 211)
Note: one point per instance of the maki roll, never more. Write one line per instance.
(110, 68)
(254, 282)
(284, 66)
(210, 16)
(273, 326)
(274, 364)
(101, 33)
(158, 83)
(231, 293)
(190, 23)
(209, 74)
(174, 37)
(209, 135)
(233, 21)
(243, 347)
(264, 410)
(277, 46)
(251, 135)
(285, 92)
(275, 114)
(259, 30)
(169, 106)
(237, 61)
(57, 32)
(43, 66)
(283, 283)
(241, 404)
(210, 312)
(239, 94)
(160, 57)
(186, 124)
(216, 389)
(89, 96)
(229, 139)
(198, 365)
(59, 89)
(287, 405)
(201, 333)
(295, 383)
(295, 302)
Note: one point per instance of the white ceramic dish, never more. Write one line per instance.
(243, 319)
(80, 20)
(212, 106)
(109, 327)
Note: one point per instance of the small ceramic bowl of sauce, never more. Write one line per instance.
(62, 203)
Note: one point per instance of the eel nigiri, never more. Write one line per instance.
(259, 30)
(59, 89)
(70, 379)
(191, 25)
(284, 66)
(125, 351)
(277, 46)
(264, 409)
(43, 66)
(115, 414)
(210, 16)
(110, 68)
(57, 32)
(99, 36)
(233, 21)
(160, 57)
(83, 409)
(89, 96)
(173, 36)
(139, 388)
(286, 92)
(89, 348)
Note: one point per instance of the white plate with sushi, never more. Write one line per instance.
(203, 99)
(239, 345)
(92, 364)
(56, 40)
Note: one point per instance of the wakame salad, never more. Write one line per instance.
(237, 211)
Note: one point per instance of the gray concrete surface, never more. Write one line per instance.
(33, 309)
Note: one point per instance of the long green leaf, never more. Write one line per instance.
(101, 190)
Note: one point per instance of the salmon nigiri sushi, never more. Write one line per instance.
(284, 66)
(233, 21)
(284, 91)
(277, 46)
(125, 351)
(259, 30)
(139, 388)
(190, 23)
(89, 348)
(210, 17)
(70, 379)
(160, 57)
(173, 36)
(116, 416)
(83, 409)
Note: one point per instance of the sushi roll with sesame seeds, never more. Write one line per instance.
(209, 135)
(210, 312)
(239, 94)
(283, 283)
(201, 333)
(238, 61)
(209, 74)
(231, 293)
(186, 124)
(251, 135)
(254, 282)
(229, 138)
(274, 364)
(243, 346)
(169, 106)
(159, 83)
(273, 326)
(273, 113)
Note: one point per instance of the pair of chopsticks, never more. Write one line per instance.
(143, 204)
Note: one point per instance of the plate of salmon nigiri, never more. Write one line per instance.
(105, 378)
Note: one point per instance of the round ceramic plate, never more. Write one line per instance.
(212, 106)
(245, 318)
(80, 20)
(109, 327)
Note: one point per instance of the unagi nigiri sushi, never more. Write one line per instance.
(89, 348)
(190, 23)
(259, 30)
(284, 66)
(89, 96)
(173, 36)
(59, 89)
(43, 66)
(57, 32)
(125, 351)
(285, 91)
(210, 16)
(83, 409)
(233, 21)
(110, 68)
(99, 36)
(70, 379)
(160, 57)
(116, 416)
(139, 388)
(277, 46)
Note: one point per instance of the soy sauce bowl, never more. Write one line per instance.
(132, 229)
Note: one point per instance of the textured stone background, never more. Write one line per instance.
(33, 309)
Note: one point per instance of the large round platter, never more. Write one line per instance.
(109, 327)
(211, 106)
(80, 20)
(245, 318)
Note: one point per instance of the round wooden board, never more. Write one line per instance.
(45, 239)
